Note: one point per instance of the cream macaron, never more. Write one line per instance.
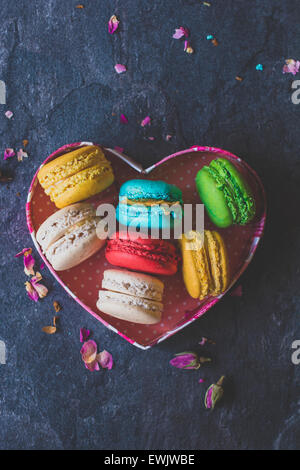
(69, 236)
(131, 296)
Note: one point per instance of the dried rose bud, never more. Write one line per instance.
(188, 360)
(214, 394)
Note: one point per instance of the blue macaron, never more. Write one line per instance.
(146, 203)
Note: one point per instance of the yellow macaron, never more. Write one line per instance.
(76, 175)
(205, 263)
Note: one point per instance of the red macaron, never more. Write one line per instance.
(142, 254)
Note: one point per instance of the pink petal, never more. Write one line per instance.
(105, 360)
(8, 153)
(21, 154)
(146, 121)
(188, 48)
(119, 149)
(180, 32)
(89, 351)
(203, 341)
(291, 66)
(168, 137)
(123, 119)
(9, 114)
(84, 334)
(28, 264)
(113, 24)
(201, 381)
(92, 365)
(119, 68)
(31, 292)
(151, 138)
(23, 252)
(41, 290)
(42, 266)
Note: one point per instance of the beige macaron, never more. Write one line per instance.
(68, 237)
(131, 296)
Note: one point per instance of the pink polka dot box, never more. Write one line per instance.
(84, 281)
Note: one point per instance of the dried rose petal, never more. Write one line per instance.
(25, 142)
(120, 68)
(42, 266)
(180, 32)
(146, 121)
(49, 329)
(84, 334)
(201, 381)
(188, 48)
(31, 292)
(89, 351)
(55, 319)
(9, 114)
(203, 341)
(291, 66)
(28, 260)
(94, 365)
(8, 153)
(40, 289)
(21, 154)
(168, 137)
(123, 119)
(105, 360)
(113, 24)
(56, 306)
(151, 138)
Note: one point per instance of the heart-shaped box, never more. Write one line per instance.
(84, 281)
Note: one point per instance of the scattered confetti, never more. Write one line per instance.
(291, 66)
(215, 42)
(123, 119)
(42, 266)
(151, 138)
(188, 48)
(57, 306)
(119, 68)
(201, 381)
(209, 37)
(8, 153)
(113, 24)
(146, 121)
(84, 334)
(207, 4)
(80, 7)
(9, 114)
(259, 67)
(239, 79)
(181, 32)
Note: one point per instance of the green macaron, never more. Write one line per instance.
(225, 194)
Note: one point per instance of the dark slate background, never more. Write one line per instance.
(57, 62)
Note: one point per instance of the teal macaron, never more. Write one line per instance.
(144, 200)
(226, 195)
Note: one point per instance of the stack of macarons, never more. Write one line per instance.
(70, 235)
